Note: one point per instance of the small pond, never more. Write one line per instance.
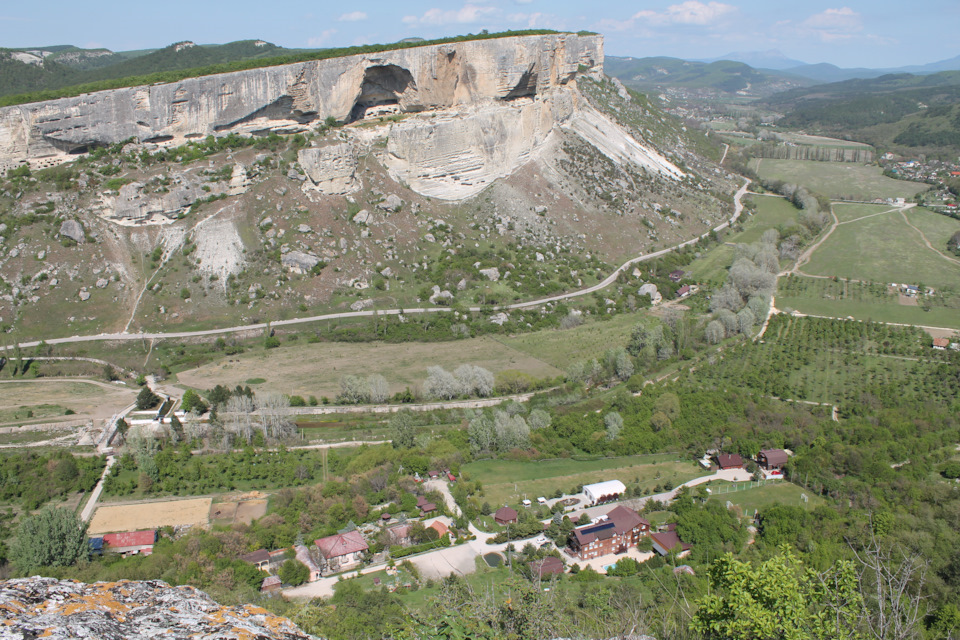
(493, 559)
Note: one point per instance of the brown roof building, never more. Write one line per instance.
(551, 565)
(505, 515)
(621, 530)
(665, 541)
(260, 558)
(730, 461)
(772, 459)
(343, 548)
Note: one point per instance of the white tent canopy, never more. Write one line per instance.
(603, 490)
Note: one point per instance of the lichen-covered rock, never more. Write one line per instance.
(73, 230)
(125, 610)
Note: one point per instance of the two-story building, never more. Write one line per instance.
(620, 529)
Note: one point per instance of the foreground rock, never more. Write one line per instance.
(50, 608)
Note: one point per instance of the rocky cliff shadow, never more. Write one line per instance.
(382, 86)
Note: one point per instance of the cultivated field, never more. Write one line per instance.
(150, 515)
(849, 211)
(884, 248)
(316, 369)
(47, 398)
(510, 481)
(822, 141)
(560, 348)
(837, 180)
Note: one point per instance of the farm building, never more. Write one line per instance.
(772, 459)
(730, 461)
(620, 530)
(270, 583)
(343, 549)
(303, 555)
(603, 491)
(676, 276)
(505, 515)
(132, 542)
(665, 541)
(551, 565)
(941, 343)
(259, 558)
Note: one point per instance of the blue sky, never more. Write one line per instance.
(848, 33)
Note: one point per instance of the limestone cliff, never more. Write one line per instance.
(292, 97)
(46, 607)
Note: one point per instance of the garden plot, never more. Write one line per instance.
(151, 515)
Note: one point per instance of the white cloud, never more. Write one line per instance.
(689, 12)
(523, 1)
(834, 25)
(353, 16)
(321, 39)
(467, 14)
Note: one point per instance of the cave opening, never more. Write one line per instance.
(380, 91)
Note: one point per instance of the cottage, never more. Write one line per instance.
(770, 459)
(303, 555)
(551, 565)
(441, 528)
(665, 541)
(730, 461)
(451, 477)
(342, 549)
(132, 542)
(683, 291)
(427, 508)
(603, 491)
(270, 583)
(259, 558)
(676, 276)
(505, 515)
(620, 530)
(941, 344)
(399, 534)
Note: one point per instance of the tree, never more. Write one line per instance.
(147, 399)
(353, 390)
(539, 419)
(669, 404)
(614, 423)
(378, 391)
(474, 380)
(193, 402)
(715, 332)
(441, 384)
(294, 572)
(404, 429)
(779, 599)
(51, 538)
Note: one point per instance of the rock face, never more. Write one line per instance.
(61, 609)
(73, 230)
(332, 169)
(299, 262)
(291, 97)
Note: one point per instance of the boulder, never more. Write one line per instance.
(392, 204)
(73, 230)
(492, 274)
(363, 217)
(332, 169)
(299, 262)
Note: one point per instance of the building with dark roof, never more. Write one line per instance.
(342, 549)
(772, 459)
(505, 515)
(730, 461)
(665, 541)
(620, 529)
(260, 558)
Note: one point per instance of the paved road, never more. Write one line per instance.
(91, 505)
(738, 209)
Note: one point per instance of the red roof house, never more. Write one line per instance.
(620, 530)
(683, 291)
(343, 548)
(505, 515)
(440, 528)
(131, 542)
(270, 583)
(941, 343)
(772, 459)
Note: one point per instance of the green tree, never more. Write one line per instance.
(294, 572)
(147, 399)
(779, 599)
(51, 538)
(404, 429)
(193, 402)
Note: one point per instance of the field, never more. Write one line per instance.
(821, 141)
(840, 299)
(849, 211)
(837, 180)
(243, 511)
(884, 248)
(316, 369)
(750, 497)
(771, 212)
(509, 481)
(47, 398)
(560, 348)
(150, 515)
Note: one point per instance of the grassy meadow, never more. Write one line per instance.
(837, 180)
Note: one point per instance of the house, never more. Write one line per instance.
(270, 583)
(303, 555)
(342, 549)
(772, 459)
(427, 507)
(665, 541)
(941, 343)
(505, 515)
(433, 474)
(676, 276)
(131, 542)
(551, 565)
(451, 477)
(400, 534)
(683, 291)
(730, 461)
(260, 558)
(440, 528)
(603, 491)
(620, 529)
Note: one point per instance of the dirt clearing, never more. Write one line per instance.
(238, 511)
(151, 515)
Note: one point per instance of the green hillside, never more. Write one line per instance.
(723, 75)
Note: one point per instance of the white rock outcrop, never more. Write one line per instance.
(332, 169)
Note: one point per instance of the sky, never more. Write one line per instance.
(847, 33)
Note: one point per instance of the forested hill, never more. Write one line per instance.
(897, 111)
(722, 75)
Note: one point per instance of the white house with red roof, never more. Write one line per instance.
(343, 549)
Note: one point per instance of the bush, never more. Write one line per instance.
(294, 572)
